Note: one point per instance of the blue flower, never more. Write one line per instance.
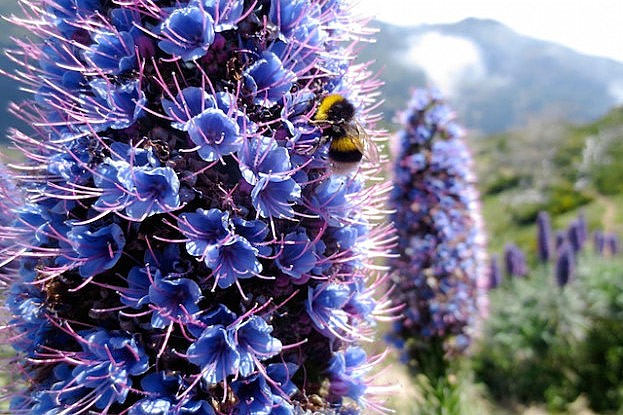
(275, 198)
(255, 396)
(154, 191)
(118, 357)
(346, 369)
(189, 103)
(325, 306)
(97, 250)
(297, 255)
(179, 245)
(215, 353)
(188, 33)
(116, 107)
(233, 260)
(267, 80)
(205, 230)
(112, 52)
(215, 134)
(226, 13)
(210, 237)
(174, 299)
(255, 343)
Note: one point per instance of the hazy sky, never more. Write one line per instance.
(589, 26)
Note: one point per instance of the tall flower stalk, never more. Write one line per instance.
(183, 246)
(441, 270)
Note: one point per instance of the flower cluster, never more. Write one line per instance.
(184, 247)
(515, 261)
(441, 270)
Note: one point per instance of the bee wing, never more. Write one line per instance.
(364, 143)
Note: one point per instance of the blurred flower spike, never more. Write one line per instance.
(441, 270)
(174, 240)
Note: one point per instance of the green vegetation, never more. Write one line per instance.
(544, 344)
(558, 168)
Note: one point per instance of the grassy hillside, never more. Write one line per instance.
(559, 168)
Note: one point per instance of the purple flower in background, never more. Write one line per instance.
(599, 242)
(180, 244)
(440, 270)
(575, 236)
(613, 243)
(495, 272)
(565, 264)
(515, 261)
(544, 236)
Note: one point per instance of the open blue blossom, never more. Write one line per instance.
(180, 245)
(255, 343)
(268, 80)
(188, 33)
(298, 255)
(154, 191)
(112, 52)
(226, 13)
(189, 103)
(215, 134)
(118, 358)
(205, 229)
(215, 353)
(275, 198)
(97, 250)
(174, 299)
(233, 260)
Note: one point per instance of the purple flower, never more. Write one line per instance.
(97, 250)
(267, 80)
(441, 274)
(297, 256)
(515, 261)
(180, 245)
(599, 242)
(215, 134)
(112, 52)
(544, 236)
(495, 273)
(565, 264)
(174, 299)
(188, 32)
(215, 353)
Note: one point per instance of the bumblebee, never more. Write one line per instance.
(349, 142)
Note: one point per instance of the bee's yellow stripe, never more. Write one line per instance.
(322, 114)
(344, 144)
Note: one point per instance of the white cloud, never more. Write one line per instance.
(447, 60)
(616, 91)
(589, 26)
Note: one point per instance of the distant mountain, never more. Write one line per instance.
(496, 78)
